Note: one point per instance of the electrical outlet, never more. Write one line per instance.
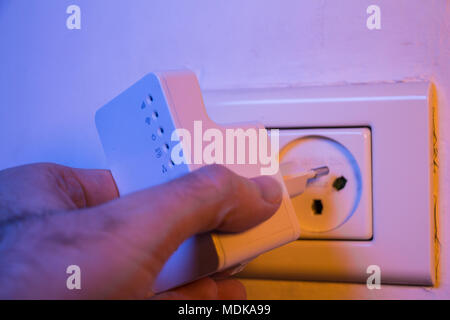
(338, 205)
(400, 118)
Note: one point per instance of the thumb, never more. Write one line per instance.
(159, 219)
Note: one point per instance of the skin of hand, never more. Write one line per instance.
(52, 216)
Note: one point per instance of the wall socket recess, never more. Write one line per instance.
(399, 118)
(338, 205)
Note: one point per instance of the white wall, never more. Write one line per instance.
(52, 80)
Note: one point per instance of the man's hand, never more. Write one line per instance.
(53, 216)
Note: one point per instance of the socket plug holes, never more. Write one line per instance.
(317, 206)
(331, 200)
(339, 183)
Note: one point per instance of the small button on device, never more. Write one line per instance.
(158, 152)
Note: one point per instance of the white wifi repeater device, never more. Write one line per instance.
(135, 129)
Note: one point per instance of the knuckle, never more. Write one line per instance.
(215, 177)
(210, 290)
(218, 173)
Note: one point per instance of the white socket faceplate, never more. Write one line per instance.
(399, 116)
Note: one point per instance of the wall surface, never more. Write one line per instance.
(52, 79)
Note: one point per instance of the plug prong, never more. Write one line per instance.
(321, 171)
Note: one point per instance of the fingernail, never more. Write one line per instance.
(270, 189)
